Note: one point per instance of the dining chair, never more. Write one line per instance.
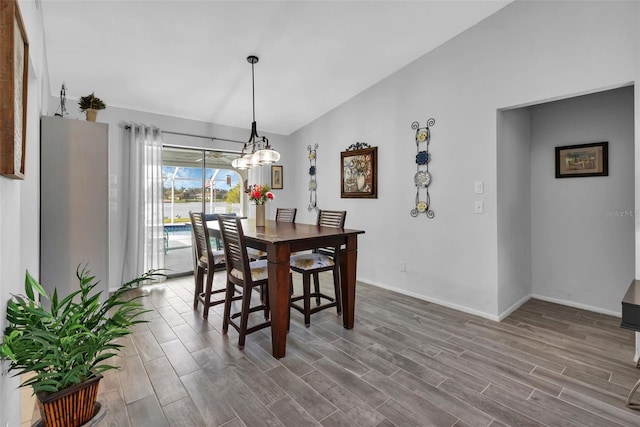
(282, 215)
(244, 274)
(206, 261)
(286, 214)
(311, 264)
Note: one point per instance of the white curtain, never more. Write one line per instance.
(144, 245)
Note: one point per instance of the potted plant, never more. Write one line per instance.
(65, 346)
(90, 105)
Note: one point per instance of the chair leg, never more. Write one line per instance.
(199, 274)
(316, 287)
(306, 290)
(290, 293)
(264, 291)
(207, 294)
(244, 316)
(337, 290)
(227, 307)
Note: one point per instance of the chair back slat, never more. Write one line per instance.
(234, 246)
(200, 235)
(333, 219)
(286, 214)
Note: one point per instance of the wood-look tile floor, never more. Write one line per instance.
(407, 363)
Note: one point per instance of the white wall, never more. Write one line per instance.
(514, 209)
(19, 204)
(583, 242)
(525, 53)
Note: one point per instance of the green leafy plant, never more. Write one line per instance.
(69, 342)
(91, 102)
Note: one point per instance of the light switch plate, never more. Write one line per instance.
(113, 179)
(113, 193)
(479, 187)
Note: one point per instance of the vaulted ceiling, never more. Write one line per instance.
(188, 58)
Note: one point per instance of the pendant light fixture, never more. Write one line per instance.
(256, 151)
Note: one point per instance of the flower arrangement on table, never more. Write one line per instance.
(259, 194)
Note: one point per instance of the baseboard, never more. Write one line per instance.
(502, 315)
(578, 305)
(513, 308)
(432, 300)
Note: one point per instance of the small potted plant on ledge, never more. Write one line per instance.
(65, 346)
(90, 105)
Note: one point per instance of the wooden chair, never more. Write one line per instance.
(206, 261)
(245, 274)
(286, 214)
(310, 264)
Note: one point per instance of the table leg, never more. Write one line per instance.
(279, 296)
(348, 264)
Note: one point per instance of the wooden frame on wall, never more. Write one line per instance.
(582, 160)
(277, 177)
(14, 78)
(359, 173)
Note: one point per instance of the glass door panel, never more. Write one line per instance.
(200, 181)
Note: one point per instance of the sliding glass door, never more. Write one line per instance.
(200, 181)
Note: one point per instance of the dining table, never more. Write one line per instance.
(279, 240)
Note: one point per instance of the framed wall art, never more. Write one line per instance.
(276, 177)
(14, 76)
(359, 171)
(582, 160)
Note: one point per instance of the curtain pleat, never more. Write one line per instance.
(144, 247)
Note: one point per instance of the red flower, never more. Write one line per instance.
(260, 194)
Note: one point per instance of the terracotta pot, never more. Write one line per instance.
(259, 215)
(91, 114)
(71, 407)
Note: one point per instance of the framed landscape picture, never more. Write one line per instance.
(14, 76)
(582, 160)
(359, 173)
(276, 177)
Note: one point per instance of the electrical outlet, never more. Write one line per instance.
(478, 207)
(403, 266)
(113, 193)
(113, 206)
(113, 179)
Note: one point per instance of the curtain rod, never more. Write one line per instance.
(213, 138)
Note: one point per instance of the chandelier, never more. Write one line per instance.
(256, 151)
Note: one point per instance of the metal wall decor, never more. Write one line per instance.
(422, 178)
(313, 184)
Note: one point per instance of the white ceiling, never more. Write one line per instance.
(188, 58)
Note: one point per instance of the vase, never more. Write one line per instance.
(360, 181)
(259, 215)
(91, 114)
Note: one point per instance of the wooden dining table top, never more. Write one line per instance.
(281, 232)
